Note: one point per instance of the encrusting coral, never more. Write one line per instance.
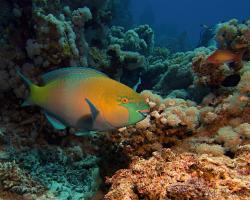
(167, 175)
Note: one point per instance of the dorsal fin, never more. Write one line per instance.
(83, 72)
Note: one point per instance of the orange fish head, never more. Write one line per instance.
(125, 109)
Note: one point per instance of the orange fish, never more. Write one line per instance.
(86, 99)
(224, 56)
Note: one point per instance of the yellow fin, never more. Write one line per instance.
(32, 88)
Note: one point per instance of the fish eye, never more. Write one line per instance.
(124, 100)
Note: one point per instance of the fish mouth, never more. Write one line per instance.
(144, 113)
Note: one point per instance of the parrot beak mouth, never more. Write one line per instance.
(143, 112)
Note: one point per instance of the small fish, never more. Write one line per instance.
(224, 56)
(86, 99)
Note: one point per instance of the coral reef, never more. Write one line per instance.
(168, 120)
(167, 175)
(194, 144)
(178, 67)
(232, 36)
(67, 172)
(36, 161)
(212, 136)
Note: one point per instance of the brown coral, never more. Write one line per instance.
(184, 176)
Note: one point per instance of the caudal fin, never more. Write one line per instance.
(31, 87)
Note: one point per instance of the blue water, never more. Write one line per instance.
(176, 17)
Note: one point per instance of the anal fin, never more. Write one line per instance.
(85, 133)
(55, 122)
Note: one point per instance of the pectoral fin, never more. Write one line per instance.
(55, 122)
(93, 109)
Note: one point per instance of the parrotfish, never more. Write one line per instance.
(224, 56)
(86, 99)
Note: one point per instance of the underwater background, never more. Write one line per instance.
(189, 60)
(171, 19)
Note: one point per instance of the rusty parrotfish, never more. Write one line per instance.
(86, 99)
